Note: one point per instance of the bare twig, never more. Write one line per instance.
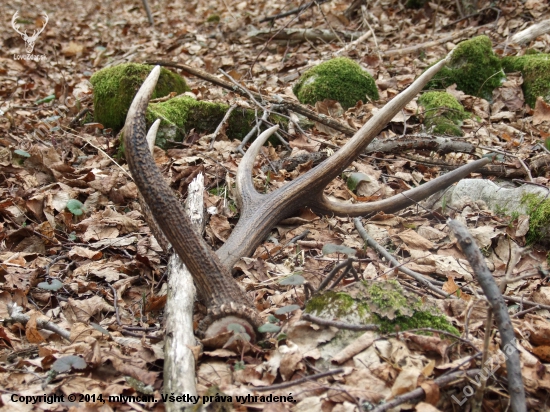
(291, 106)
(383, 252)
(148, 11)
(16, 315)
(293, 11)
(222, 124)
(418, 394)
(299, 381)
(338, 324)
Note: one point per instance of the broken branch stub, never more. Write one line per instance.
(226, 301)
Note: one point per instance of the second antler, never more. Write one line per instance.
(226, 301)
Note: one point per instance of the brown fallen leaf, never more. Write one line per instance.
(31, 331)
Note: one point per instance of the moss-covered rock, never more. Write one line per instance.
(339, 79)
(115, 88)
(443, 113)
(181, 114)
(384, 303)
(535, 69)
(538, 209)
(474, 68)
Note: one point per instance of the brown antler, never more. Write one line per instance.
(259, 212)
(222, 295)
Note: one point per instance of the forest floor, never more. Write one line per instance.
(99, 275)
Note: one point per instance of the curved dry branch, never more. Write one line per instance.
(401, 200)
(222, 295)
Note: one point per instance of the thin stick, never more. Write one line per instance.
(290, 106)
(384, 253)
(299, 381)
(222, 124)
(293, 11)
(338, 324)
(148, 11)
(16, 315)
(418, 394)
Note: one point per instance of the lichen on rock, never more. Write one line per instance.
(339, 79)
(473, 67)
(535, 69)
(443, 113)
(115, 88)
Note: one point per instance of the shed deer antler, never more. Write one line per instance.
(29, 40)
(259, 212)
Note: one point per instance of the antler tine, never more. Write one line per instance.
(215, 286)
(46, 19)
(15, 25)
(399, 201)
(152, 135)
(246, 193)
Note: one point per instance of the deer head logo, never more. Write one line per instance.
(29, 40)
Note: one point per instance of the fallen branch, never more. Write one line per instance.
(441, 145)
(299, 381)
(295, 36)
(384, 253)
(500, 310)
(338, 324)
(179, 360)
(293, 11)
(278, 100)
(16, 315)
(531, 33)
(418, 394)
(148, 11)
(407, 50)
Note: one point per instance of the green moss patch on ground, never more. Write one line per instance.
(181, 114)
(474, 68)
(115, 88)
(538, 209)
(339, 79)
(384, 303)
(535, 69)
(443, 113)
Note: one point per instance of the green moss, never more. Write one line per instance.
(213, 18)
(538, 209)
(338, 79)
(474, 68)
(338, 304)
(443, 113)
(181, 114)
(535, 69)
(382, 303)
(115, 88)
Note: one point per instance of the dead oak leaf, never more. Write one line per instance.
(31, 330)
(83, 310)
(542, 112)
